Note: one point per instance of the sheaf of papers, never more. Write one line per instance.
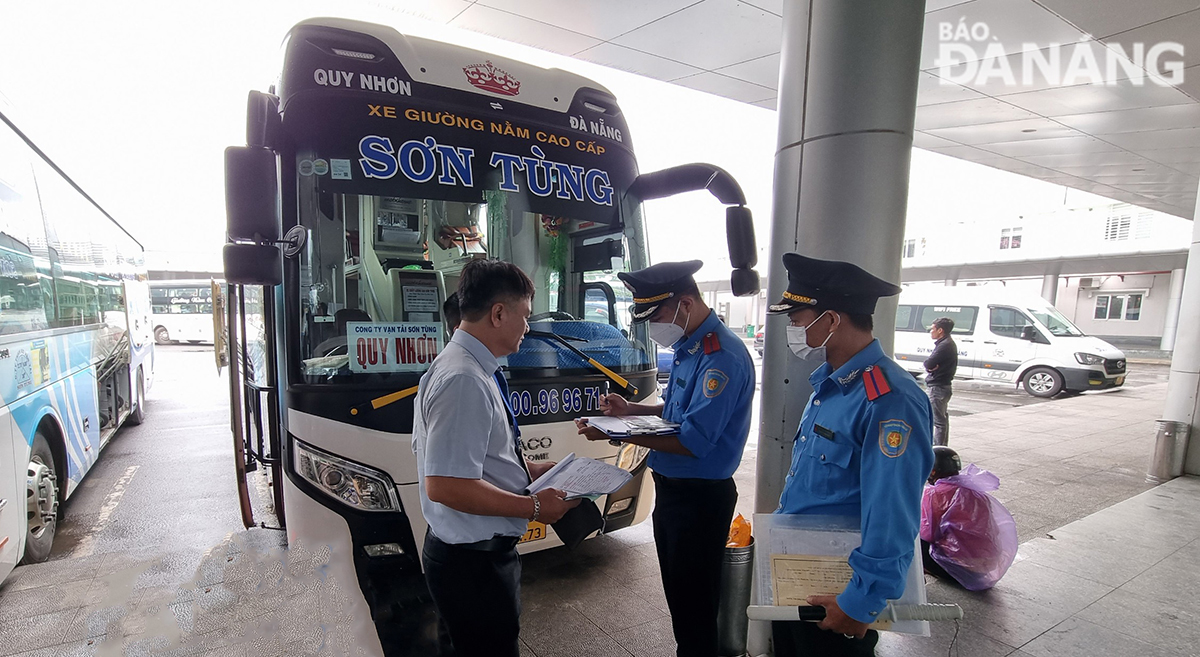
(633, 425)
(798, 576)
(582, 477)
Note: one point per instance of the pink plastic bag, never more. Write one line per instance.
(970, 533)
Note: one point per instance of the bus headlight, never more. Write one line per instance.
(1088, 359)
(630, 457)
(352, 484)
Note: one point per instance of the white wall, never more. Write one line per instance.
(1080, 304)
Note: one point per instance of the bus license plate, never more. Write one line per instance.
(535, 532)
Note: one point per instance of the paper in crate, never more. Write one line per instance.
(802, 555)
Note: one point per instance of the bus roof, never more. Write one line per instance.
(434, 62)
(70, 181)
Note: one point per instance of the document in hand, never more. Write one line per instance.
(581, 477)
(623, 426)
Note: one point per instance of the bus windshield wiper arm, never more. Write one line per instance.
(563, 341)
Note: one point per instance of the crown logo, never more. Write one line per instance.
(489, 78)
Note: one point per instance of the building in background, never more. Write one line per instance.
(1111, 269)
(1115, 270)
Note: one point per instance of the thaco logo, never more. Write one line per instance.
(489, 78)
(970, 54)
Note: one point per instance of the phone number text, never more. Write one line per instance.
(551, 401)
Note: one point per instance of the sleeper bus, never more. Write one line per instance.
(182, 310)
(76, 354)
(379, 165)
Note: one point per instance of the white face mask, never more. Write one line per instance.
(666, 334)
(797, 338)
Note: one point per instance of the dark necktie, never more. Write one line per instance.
(502, 383)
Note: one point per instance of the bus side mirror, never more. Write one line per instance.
(252, 216)
(743, 250)
(252, 264)
(251, 194)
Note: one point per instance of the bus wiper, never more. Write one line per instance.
(380, 402)
(563, 341)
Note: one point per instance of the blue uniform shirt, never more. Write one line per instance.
(869, 459)
(710, 394)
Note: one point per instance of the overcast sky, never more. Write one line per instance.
(137, 99)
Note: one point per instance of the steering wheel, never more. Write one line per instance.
(554, 314)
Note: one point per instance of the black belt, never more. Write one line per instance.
(689, 482)
(493, 544)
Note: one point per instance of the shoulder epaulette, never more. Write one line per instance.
(875, 382)
(711, 343)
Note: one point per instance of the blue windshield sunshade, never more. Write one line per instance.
(604, 343)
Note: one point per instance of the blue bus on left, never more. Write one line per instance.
(76, 342)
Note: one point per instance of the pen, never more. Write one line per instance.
(604, 391)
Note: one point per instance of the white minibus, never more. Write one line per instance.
(1006, 336)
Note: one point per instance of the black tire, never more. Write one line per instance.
(138, 414)
(1043, 382)
(161, 335)
(41, 527)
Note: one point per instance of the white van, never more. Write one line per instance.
(1004, 336)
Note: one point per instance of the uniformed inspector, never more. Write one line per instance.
(710, 394)
(863, 448)
(471, 469)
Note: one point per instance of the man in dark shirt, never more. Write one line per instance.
(940, 367)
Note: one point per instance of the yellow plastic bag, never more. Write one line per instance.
(739, 532)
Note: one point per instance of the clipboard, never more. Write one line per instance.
(625, 426)
(799, 551)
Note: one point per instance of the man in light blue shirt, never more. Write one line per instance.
(471, 470)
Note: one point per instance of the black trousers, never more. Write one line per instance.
(478, 596)
(691, 526)
(805, 639)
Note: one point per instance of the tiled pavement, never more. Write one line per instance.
(1058, 462)
(1119, 582)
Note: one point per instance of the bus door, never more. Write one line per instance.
(253, 399)
(12, 496)
(220, 334)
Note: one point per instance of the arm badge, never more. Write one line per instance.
(893, 437)
(714, 382)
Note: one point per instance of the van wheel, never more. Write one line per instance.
(41, 501)
(161, 335)
(1043, 382)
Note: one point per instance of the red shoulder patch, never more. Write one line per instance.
(876, 383)
(711, 343)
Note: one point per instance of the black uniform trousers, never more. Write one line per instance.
(691, 527)
(477, 592)
(805, 639)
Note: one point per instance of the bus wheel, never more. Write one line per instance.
(138, 414)
(41, 499)
(161, 336)
(1043, 382)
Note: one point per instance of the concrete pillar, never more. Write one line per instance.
(847, 101)
(1182, 388)
(1174, 297)
(1050, 288)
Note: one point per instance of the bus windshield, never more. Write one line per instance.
(390, 261)
(1054, 321)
